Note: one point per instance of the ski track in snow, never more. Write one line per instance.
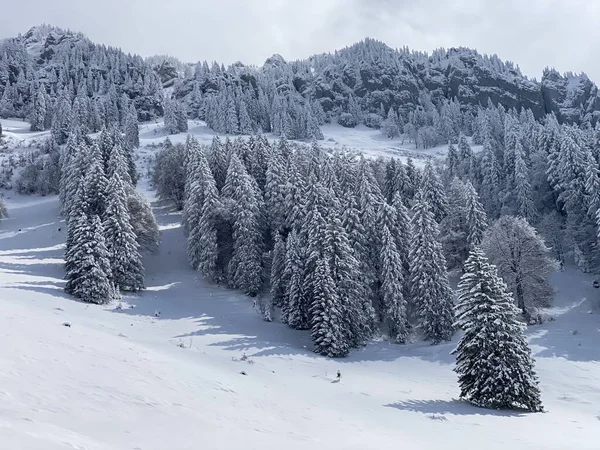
(125, 379)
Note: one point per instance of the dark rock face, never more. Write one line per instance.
(379, 75)
(573, 98)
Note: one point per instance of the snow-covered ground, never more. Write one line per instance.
(365, 140)
(121, 378)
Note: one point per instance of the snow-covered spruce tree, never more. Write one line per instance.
(476, 216)
(203, 251)
(357, 309)
(275, 190)
(523, 261)
(121, 243)
(245, 266)
(217, 159)
(87, 262)
(143, 222)
(391, 291)
(117, 163)
(493, 359)
(431, 294)
(132, 129)
(295, 309)
(278, 282)
(433, 191)
(327, 322)
(3, 211)
(96, 182)
(170, 117)
(522, 185)
(454, 231)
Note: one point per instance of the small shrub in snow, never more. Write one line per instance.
(347, 120)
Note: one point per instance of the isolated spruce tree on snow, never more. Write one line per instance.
(430, 288)
(493, 359)
(327, 323)
(89, 277)
(123, 249)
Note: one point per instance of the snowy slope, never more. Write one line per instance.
(121, 378)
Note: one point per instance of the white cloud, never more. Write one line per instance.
(532, 33)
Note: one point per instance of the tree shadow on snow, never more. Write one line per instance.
(450, 407)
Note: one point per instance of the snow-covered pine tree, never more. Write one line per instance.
(327, 321)
(295, 311)
(117, 163)
(452, 161)
(493, 359)
(123, 249)
(3, 211)
(357, 309)
(217, 159)
(170, 117)
(431, 294)
(88, 266)
(454, 229)
(278, 281)
(245, 266)
(203, 250)
(38, 117)
(433, 191)
(522, 186)
(476, 216)
(132, 129)
(96, 182)
(275, 190)
(391, 290)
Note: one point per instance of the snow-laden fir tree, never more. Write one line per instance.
(357, 309)
(430, 289)
(123, 249)
(295, 311)
(475, 215)
(203, 250)
(493, 359)
(327, 321)
(275, 190)
(433, 191)
(454, 228)
(96, 182)
(3, 211)
(392, 287)
(278, 282)
(245, 266)
(87, 261)
(132, 129)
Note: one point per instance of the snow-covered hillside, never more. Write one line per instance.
(121, 378)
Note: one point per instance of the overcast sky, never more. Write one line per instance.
(533, 33)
